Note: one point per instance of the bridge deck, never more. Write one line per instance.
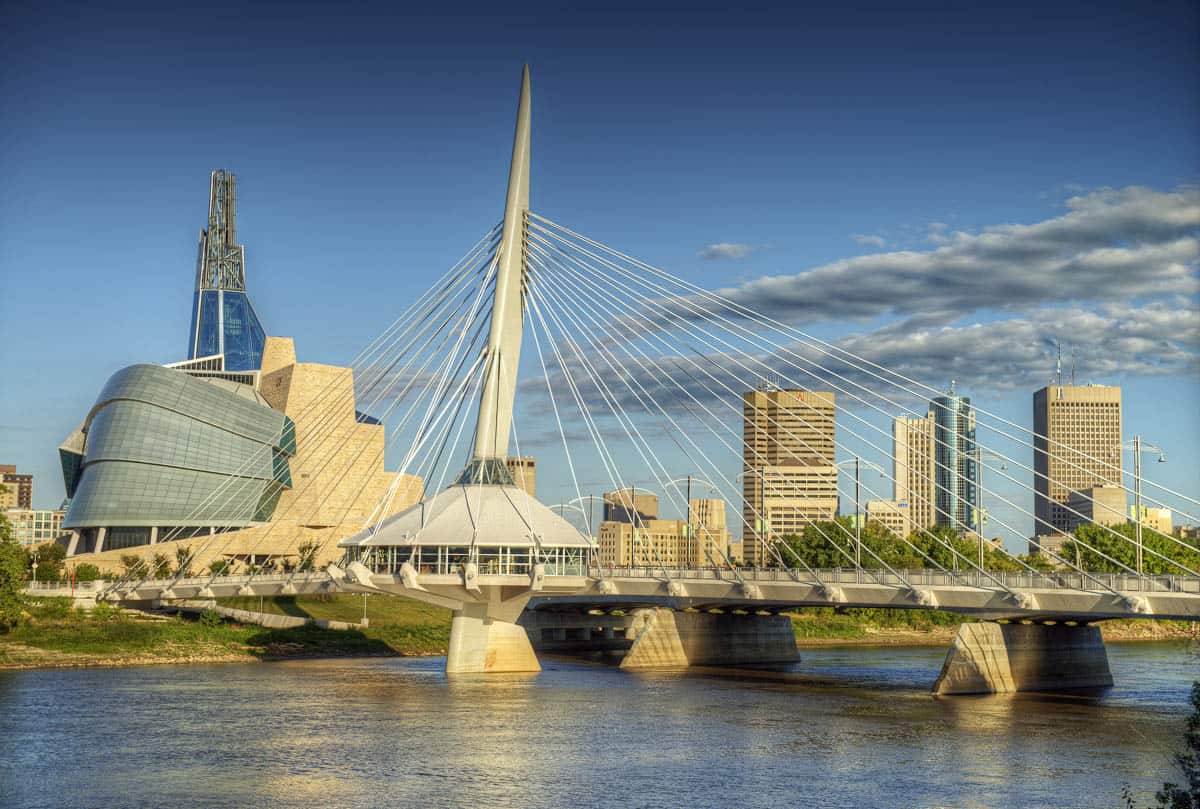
(1065, 596)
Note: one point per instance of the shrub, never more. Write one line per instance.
(210, 618)
(87, 572)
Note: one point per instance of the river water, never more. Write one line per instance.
(852, 727)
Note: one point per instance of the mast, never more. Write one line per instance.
(504, 339)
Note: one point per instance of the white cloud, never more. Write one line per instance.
(1110, 245)
(725, 250)
(868, 241)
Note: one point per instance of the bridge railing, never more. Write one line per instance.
(54, 586)
(1017, 580)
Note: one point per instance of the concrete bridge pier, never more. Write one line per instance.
(992, 658)
(485, 639)
(664, 638)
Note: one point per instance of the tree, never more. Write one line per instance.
(183, 562)
(135, 566)
(50, 558)
(12, 577)
(1173, 796)
(160, 566)
(307, 552)
(87, 572)
(1100, 548)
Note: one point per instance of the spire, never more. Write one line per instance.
(223, 321)
(504, 339)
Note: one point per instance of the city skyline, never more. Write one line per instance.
(1098, 253)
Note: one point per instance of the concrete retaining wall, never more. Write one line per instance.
(989, 658)
(270, 620)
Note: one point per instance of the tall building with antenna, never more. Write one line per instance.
(789, 479)
(1076, 446)
(955, 460)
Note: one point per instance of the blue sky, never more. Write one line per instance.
(371, 148)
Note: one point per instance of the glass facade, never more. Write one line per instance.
(164, 448)
(954, 447)
(224, 322)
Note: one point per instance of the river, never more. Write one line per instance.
(846, 727)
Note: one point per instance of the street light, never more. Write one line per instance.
(858, 464)
(980, 455)
(1138, 446)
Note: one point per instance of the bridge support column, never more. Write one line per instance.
(989, 658)
(485, 639)
(663, 638)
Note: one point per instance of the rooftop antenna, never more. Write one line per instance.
(1072, 366)
(1058, 365)
(951, 387)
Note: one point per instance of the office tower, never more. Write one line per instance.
(223, 320)
(789, 480)
(956, 497)
(914, 469)
(1076, 446)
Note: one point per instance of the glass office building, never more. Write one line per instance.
(955, 456)
(168, 455)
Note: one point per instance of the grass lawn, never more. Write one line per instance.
(57, 634)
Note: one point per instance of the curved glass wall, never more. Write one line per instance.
(164, 448)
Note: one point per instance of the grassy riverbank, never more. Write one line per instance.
(56, 635)
(821, 626)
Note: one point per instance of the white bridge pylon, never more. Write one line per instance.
(493, 543)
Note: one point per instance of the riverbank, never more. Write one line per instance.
(59, 636)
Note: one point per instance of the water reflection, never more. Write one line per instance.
(844, 727)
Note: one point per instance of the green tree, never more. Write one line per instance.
(160, 566)
(135, 567)
(87, 572)
(1098, 548)
(183, 562)
(50, 560)
(308, 553)
(12, 577)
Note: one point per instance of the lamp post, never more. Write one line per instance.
(1138, 446)
(858, 521)
(980, 519)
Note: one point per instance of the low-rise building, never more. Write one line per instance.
(1049, 546)
(35, 526)
(653, 542)
(1098, 505)
(1156, 519)
(893, 515)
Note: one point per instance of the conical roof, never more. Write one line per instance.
(483, 514)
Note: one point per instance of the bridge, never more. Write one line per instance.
(629, 353)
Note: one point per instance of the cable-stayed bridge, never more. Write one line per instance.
(634, 373)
